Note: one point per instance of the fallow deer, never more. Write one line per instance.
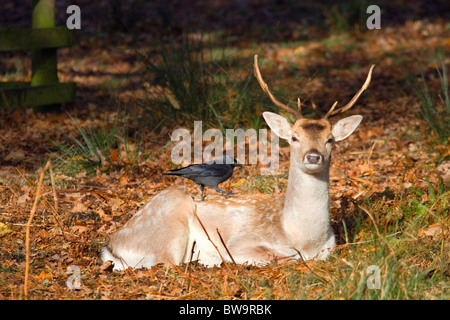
(173, 228)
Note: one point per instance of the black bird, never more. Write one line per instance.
(208, 174)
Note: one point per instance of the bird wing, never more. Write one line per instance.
(201, 170)
(215, 170)
(193, 170)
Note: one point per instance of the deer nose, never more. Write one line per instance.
(313, 158)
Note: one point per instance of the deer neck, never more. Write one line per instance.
(306, 208)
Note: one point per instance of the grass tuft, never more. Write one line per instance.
(96, 150)
(188, 80)
(436, 111)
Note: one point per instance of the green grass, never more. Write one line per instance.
(435, 108)
(98, 149)
(268, 184)
(345, 16)
(196, 79)
(412, 265)
(408, 263)
(179, 69)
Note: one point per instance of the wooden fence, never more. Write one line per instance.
(42, 39)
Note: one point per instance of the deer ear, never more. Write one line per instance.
(345, 127)
(278, 124)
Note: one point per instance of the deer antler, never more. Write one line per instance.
(333, 112)
(265, 88)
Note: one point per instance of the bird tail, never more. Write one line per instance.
(175, 172)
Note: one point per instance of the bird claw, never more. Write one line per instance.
(226, 194)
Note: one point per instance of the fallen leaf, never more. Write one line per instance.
(123, 180)
(79, 207)
(43, 233)
(173, 101)
(79, 229)
(240, 181)
(115, 204)
(365, 169)
(407, 185)
(81, 175)
(434, 230)
(114, 155)
(44, 275)
(444, 171)
(23, 199)
(4, 229)
(15, 155)
(100, 212)
(107, 266)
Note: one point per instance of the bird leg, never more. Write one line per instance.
(225, 193)
(201, 190)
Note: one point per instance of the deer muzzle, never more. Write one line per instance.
(313, 159)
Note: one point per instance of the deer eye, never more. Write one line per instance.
(294, 139)
(331, 140)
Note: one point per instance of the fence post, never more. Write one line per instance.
(44, 91)
(44, 65)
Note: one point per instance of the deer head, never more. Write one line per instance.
(311, 140)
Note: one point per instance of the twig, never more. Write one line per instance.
(7, 187)
(380, 236)
(366, 241)
(21, 174)
(225, 246)
(371, 151)
(101, 192)
(187, 269)
(56, 215)
(217, 249)
(191, 280)
(371, 218)
(207, 235)
(27, 231)
(52, 179)
(306, 265)
(191, 256)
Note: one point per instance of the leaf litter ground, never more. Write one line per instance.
(376, 175)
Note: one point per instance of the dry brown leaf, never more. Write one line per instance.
(365, 169)
(101, 212)
(103, 215)
(23, 199)
(434, 230)
(78, 207)
(107, 266)
(78, 229)
(123, 180)
(444, 171)
(114, 155)
(115, 204)
(44, 234)
(15, 155)
(44, 275)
